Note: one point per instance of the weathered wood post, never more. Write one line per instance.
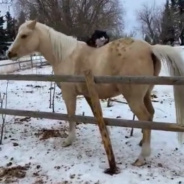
(19, 65)
(31, 56)
(101, 123)
(132, 130)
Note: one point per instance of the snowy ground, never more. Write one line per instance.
(45, 161)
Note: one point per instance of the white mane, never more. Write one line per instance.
(62, 44)
(78, 40)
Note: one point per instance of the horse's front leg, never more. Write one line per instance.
(70, 102)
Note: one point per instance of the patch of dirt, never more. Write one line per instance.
(21, 120)
(35, 86)
(49, 133)
(28, 91)
(39, 181)
(153, 96)
(79, 181)
(12, 174)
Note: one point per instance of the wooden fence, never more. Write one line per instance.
(98, 119)
(98, 80)
(40, 63)
(26, 62)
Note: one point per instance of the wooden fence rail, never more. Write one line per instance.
(19, 62)
(100, 79)
(91, 120)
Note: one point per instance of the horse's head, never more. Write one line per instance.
(26, 41)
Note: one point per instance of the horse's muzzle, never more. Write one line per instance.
(11, 55)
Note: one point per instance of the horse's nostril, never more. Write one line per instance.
(9, 54)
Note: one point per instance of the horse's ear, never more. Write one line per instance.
(32, 24)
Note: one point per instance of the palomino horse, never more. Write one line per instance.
(120, 57)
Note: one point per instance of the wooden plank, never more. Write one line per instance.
(31, 61)
(172, 127)
(101, 123)
(102, 79)
(132, 130)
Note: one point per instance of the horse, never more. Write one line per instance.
(122, 57)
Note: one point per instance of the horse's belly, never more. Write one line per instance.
(106, 91)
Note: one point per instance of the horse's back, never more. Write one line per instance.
(121, 57)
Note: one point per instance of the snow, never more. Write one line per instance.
(85, 161)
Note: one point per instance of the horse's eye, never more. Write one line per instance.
(24, 36)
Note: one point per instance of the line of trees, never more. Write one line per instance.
(158, 24)
(79, 18)
(163, 24)
(74, 17)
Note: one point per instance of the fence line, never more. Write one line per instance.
(31, 61)
(99, 120)
(20, 62)
(91, 120)
(100, 79)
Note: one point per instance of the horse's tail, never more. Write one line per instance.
(172, 59)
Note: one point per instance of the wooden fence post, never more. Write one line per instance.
(101, 123)
(31, 56)
(19, 65)
(132, 130)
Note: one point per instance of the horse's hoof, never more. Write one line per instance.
(139, 162)
(66, 143)
(140, 143)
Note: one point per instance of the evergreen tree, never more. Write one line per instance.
(167, 36)
(32, 12)
(176, 20)
(181, 11)
(3, 39)
(21, 18)
(10, 27)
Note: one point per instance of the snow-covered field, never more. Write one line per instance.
(32, 153)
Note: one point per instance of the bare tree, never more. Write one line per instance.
(76, 17)
(7, 3)
(150, 20)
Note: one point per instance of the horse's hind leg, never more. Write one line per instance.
(138, 107)
(150, 108)
(70, 102)
(149, 105)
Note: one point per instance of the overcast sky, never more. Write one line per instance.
(131, 6)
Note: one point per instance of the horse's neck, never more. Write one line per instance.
(55, 46)
(66, 47)
(45, 47)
